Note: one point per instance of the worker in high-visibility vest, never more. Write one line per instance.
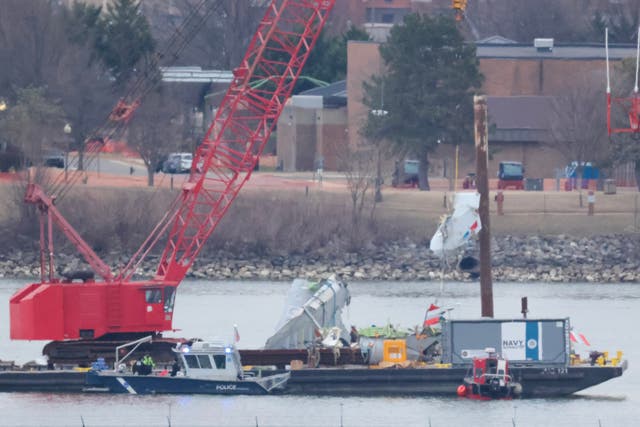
(148, 364)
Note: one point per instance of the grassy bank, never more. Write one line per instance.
(308, 218)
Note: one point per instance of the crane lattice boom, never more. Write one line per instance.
(65, 309)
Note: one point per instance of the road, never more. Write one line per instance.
(110, 164)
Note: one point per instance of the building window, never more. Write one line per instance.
(387, 18)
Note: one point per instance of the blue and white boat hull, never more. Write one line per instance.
(150, 384)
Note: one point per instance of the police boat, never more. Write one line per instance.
(202, 367)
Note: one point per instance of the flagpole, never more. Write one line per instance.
(236, 334)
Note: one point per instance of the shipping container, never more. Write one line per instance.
(524, 342)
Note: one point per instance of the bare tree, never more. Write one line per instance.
(359, 168)
(55, 54)
(82, 85)
(30, 35)
(155, 129)
(578, 123)
(524, 20)
(225, 28)
(622, 17)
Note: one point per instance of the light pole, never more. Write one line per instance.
(378, 194)
(67, 131)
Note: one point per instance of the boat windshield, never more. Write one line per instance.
(205, 362)
(192, 361)
(221, 361)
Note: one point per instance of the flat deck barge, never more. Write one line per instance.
(537, 382)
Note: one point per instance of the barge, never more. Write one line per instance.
(537, 382)
(319, 356)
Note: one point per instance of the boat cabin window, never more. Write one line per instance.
(492, 366)
(192, 361)
(205, 362)
(153, 296)
(478, 373)
(221, 361)
(169, 298)
(201, 361)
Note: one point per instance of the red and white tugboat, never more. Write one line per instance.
(490, 379)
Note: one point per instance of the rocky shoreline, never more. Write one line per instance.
(600, 259)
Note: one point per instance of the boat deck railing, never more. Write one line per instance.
(135, 343)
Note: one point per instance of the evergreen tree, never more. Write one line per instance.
(124, 39)
(81, 23)
(328, 60)
(431, 76)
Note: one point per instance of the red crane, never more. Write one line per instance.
(630, 104)
(114, 305)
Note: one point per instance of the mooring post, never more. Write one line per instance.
(482, 184)
(524, 307)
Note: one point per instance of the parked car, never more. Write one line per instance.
(178, 163)
(53, 159)
(510, 174)
(406, 174)
(11, 157)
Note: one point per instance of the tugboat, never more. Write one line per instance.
(204, 367)
(489, 379)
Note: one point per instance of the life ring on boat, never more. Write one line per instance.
(462, 390)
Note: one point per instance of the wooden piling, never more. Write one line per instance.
(482, 182)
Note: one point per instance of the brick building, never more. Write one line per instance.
(312, 129)
(515, 76)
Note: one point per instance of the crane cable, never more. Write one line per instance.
(145, 82)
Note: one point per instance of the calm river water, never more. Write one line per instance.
(607, 314)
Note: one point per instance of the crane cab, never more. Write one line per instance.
(92, 309)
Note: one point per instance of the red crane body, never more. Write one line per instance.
(59, 309)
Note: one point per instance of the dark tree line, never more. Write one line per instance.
(80, 59)
(65, 56)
